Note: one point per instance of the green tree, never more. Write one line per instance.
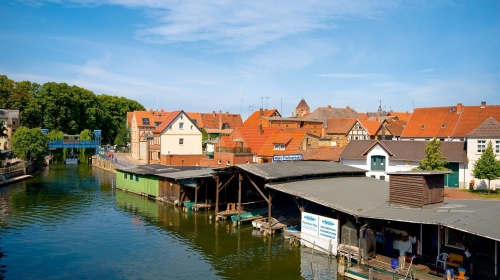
(433, 160)
(487, 166)
(123, 135)
(55, 135)
(86, 134)
(30, 144)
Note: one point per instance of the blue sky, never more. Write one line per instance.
(237, 55)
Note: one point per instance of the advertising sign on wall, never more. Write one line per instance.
(319, 232)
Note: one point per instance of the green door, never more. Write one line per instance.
(451, 180)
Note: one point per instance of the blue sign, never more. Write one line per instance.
(295, 157)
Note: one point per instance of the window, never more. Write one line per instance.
(282, 146)
(157, 124)
(181, 141)
(136, 178)
(191, 127)
(276, 146)
(181, 125)
(145, 121)
(195, 122)
(497, 147)
(182, 117)
(219, 162)
(443, 126)
(228, 162)
(382, 178)
(422, 127)
(373, 176)
(124, 175)
(481, 146)
(132, 177)
(453, 238)
(378, 163)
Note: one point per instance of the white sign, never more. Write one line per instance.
(328, 228)
(309, 223)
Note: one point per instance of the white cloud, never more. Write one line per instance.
(239, 25)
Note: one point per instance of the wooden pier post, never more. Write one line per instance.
(216, 195)
(240, 178)
(196, 196)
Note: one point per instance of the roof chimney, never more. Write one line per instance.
(213, 113)
(348, 107)
(227, 114)
(459, 107)
(483, 104)
(261, 112)
(329, 106)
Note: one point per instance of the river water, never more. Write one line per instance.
(68, 223)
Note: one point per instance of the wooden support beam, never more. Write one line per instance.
(240, 178)
(216, 195)
(269, 214)
(301, 208)
(257, 188)
(227, 183)
(196, 195)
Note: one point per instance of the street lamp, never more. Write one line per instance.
(148, 136)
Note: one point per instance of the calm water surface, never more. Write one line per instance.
(68, 223)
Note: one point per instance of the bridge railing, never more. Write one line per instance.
(68, 143)
(115, 160)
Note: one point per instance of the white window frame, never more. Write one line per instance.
(282, 147)
(181, 126)
(481, 146)
(276, 146)
(497, 147)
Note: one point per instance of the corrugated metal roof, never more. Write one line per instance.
(368, 197)
(188, 174)
(157, 169)
(284, 170)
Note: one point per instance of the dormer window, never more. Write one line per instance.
(452, 110)
(422, 127)
(279, 147)
(443, 126)
(157, 124)
(145, 121)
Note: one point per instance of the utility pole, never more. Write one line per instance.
(267, 98)
(262, 98)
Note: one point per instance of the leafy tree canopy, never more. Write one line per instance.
(433, 160)
(487, 166)
(86, 134)
(61, 107)
(55, 135)
(30, 144)
(123, 135)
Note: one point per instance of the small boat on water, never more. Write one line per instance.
(250, 215)
(72, 159)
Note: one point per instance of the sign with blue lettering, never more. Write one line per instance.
(294, 157)
(309, 223)
(316, 225)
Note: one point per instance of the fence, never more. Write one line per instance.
(114, 160)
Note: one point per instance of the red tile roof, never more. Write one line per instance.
(330, 153)
(371, 127)
(256, 118)
(214, 120)
(402, 116)
(473, 116)
(340, 126)
(252, 137)
(292, 147)
(395, 127)
(451, 121)
(431, 122)
(489, 128)
(152, 116)
(167, 122)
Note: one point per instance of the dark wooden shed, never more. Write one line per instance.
(416, 188)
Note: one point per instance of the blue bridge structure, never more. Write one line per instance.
(74, 142)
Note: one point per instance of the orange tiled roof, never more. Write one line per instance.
(363, 116)
(340, 126)
(214, 120)
(473, 116)
(331, 153)
(152, 116)
(402, 116)
(292, 147)
(252, 137)
(166, 122)
(431, 122)
(395, 127)
(371, 127)
(255, 119)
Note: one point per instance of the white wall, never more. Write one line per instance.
(473, 155)
(190, 133)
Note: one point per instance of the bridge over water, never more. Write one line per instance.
(74, 142)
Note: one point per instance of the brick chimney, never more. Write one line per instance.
(329, 106)
(348, 107)
(227, 114)
(213, 113)
(483, 104)
(261, 112)
(459, 107)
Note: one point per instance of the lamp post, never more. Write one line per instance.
(148, 136)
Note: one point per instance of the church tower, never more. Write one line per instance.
(302, 109)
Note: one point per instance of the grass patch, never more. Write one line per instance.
(494, 194)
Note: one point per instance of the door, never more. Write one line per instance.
(451, 180)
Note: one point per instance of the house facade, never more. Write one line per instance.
(9, 123)
(382, 157)
(477, 142)
(176, 135)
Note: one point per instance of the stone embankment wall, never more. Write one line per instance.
(105, 164)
